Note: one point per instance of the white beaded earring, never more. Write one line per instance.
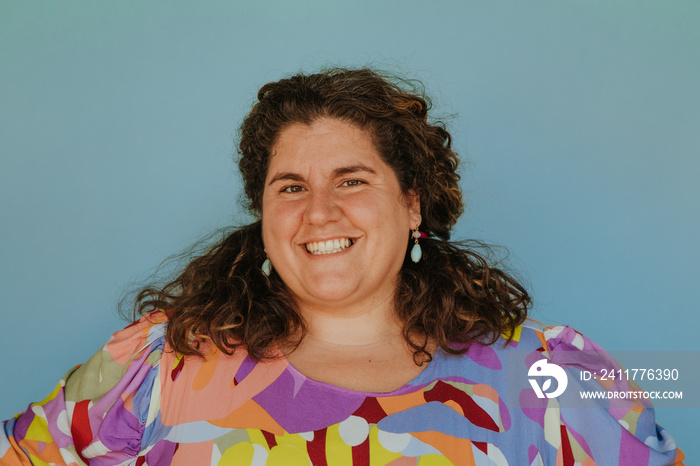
(416, 251)
(267, 267)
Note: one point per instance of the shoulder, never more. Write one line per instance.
(534, 335)
(561, 345)
(147, 332)
(129, 354)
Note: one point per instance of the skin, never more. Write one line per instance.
(328, 181)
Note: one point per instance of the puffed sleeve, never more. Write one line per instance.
(98, 412)
(608, 430)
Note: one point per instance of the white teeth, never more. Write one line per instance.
(329, 247)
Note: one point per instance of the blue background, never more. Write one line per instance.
(578, 122)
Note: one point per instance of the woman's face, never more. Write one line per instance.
(335, 223)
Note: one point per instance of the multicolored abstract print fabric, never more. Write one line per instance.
(137, 403)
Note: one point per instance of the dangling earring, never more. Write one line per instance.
(416, 251)
(267, 267)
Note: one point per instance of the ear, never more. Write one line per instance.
(413, 204)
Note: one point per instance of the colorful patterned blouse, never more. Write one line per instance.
(135, 402)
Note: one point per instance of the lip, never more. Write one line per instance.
(327, 238)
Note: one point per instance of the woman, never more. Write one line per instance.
(342, 327)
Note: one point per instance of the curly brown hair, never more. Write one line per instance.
(453, 296)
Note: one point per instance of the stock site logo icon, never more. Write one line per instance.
(543, 368)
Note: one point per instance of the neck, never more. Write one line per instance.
(361, 349)
(368, 324)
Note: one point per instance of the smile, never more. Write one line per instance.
(331, 246)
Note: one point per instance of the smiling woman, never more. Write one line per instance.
(342, 190)
(341, 327)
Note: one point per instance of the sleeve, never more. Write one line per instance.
(618, 425)
(98, 412)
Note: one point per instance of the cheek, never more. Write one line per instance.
(270, 223)
(280, 221)
(383, 213)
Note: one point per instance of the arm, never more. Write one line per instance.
(98, 411)
(617, 431)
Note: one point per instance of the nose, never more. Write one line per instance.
(322, 207)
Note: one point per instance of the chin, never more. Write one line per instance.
(331, 293)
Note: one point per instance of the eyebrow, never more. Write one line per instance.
(358, 167)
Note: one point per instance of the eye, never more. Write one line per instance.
(352, 183)
(295, 188)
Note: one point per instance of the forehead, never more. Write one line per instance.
(323, 142)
